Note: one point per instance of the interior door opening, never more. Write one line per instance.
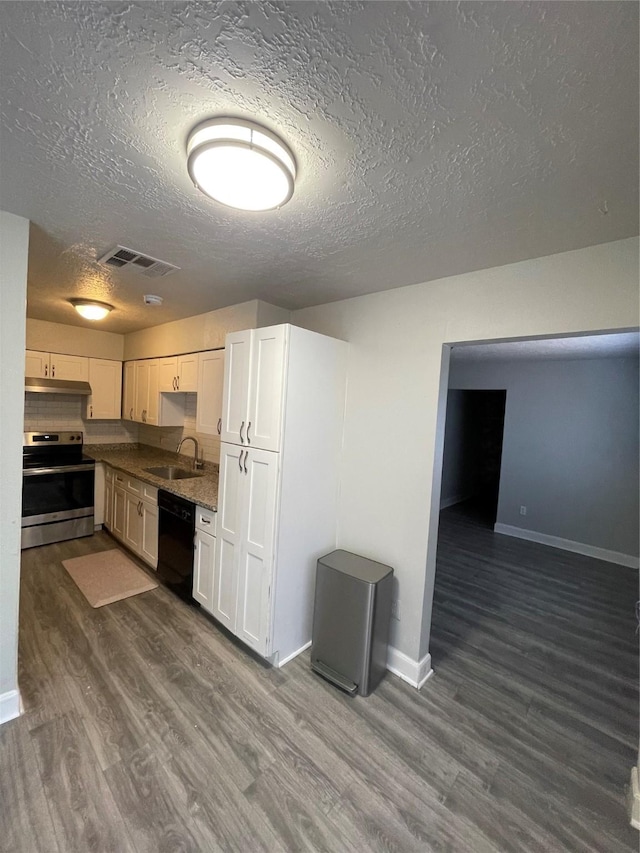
(474, 430)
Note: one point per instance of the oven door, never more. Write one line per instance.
(57, 493)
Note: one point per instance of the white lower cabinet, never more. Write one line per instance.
(204, 556)
(131, 514)
(246, 541)
(132, 523)
(149, 533)
(119, 506)
(108, 497)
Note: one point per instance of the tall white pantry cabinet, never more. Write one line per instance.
(282, 419)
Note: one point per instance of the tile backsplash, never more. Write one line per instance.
(168, 438)
(64, 412)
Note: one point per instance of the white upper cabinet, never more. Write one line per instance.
(146, 385)
(45, 365)
(253, 387)
(129, 392)
(105, 378)
(178, 373)
(143, 397)
(69, 367)
(168, 374)
(210, 382)
(266, 384)
(235, 399)
(188, 372)
(36, 364)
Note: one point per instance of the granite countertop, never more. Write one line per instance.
(134, 458)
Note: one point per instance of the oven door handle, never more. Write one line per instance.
(57, 469)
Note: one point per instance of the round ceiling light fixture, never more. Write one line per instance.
(240, 164)
(90, 309)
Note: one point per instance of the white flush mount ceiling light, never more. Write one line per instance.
(90, 309)
(240, 164)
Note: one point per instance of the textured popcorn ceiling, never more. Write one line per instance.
(618, 345)
(431, 138)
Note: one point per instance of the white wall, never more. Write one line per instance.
(74, 340)
(394, 427)
(570, 451)
(202, 332)
(14, 245)
(271, 315)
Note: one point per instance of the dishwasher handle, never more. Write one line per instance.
(177, 507)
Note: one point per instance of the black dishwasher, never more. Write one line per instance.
(176, 530)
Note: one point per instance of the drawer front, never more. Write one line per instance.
(206, 520)
(120, 479)
(150, 493)
(134, 486)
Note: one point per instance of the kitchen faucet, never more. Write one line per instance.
(198, 460)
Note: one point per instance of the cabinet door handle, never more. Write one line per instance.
(204, 520)
(219, 426)
(53, 370)
(177, 383)
(131, 414)
(140, 508)
(90, 411)
(248, 428)
(246, 456)
(241, 437)
(46, 370)
(240, 460)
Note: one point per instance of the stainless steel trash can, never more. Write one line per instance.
(351, 621)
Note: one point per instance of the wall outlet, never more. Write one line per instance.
(395, 609)
(523, 510)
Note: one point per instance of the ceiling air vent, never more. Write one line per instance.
(143, 264)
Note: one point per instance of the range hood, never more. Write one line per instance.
(36, 385)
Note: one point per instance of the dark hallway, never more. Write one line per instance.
(473, 452)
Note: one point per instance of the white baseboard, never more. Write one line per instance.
(10, 706)
(414, 672)
(293, 655)
(569, 545)
(456, 499)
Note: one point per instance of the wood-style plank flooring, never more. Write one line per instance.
(147, 729)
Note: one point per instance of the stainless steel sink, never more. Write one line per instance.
(172, 472)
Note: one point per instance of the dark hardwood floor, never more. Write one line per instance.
(147, 729)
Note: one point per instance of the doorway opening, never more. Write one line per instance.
(472, 456)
